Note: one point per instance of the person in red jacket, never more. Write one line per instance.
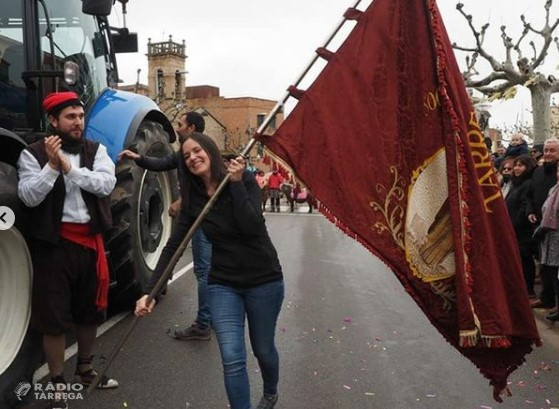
(274, 183)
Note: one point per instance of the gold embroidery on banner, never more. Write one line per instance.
(428, 239)
(482, 164)
(424, 230)
(431, 102)
(392, 209)
(446, 290)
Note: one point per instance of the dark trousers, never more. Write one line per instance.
(548, 276)
(202, 256)
(529, 268)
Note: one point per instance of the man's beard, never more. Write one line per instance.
(70, 144)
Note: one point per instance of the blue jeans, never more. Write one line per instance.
(261, 306)
(202, 258)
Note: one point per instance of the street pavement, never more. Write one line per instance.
(348, 337)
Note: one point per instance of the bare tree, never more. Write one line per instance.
(517, 69)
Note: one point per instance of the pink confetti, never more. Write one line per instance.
(348, 320)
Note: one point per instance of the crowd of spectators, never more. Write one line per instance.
(528, 179)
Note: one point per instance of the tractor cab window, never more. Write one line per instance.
(69, 35)
(12, 63)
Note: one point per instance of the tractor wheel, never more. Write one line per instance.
(140, 204)
(21, 347)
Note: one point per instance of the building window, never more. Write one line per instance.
(260, 120)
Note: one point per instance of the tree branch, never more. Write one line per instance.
(494, 76)
(495, 89)
(479, 38)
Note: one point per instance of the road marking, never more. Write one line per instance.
(107, 325)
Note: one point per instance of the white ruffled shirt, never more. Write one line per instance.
(35, 183)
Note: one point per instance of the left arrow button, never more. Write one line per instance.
(7, 218)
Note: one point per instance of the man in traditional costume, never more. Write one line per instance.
(65, 180)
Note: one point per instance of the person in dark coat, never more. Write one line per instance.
(516, 200)
(543, 179)
(201, 247)
(245, 283)
(517, 146)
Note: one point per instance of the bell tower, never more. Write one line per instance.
(166, 72)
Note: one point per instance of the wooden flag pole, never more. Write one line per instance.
(184, 243)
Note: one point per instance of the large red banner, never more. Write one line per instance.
(387, 140)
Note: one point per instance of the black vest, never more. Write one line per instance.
(47, 216)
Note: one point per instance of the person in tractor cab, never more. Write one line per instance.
(201, 247)
(65, 180)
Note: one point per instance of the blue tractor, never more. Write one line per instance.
(54, 45)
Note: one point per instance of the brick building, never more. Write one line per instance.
(229, 121)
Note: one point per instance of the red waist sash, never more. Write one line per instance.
(79, 234)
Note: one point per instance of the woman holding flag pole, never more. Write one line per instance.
(245, 279)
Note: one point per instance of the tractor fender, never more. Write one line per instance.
(11, 146)
(116, 117)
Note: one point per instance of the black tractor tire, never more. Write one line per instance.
(141, 225)
(20, 347)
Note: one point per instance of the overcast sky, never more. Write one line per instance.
(259, 47)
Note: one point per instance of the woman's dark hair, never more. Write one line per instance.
(217, 168)
(527, 161)
(530, 164)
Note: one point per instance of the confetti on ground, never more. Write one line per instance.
(431, 395)
(348, 320)
(544, 367)
(125, 404)
(486, 407)
(369, 394)
(347, 387)
(529, 402)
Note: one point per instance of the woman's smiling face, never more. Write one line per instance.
(519, 169)
(196, 158)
